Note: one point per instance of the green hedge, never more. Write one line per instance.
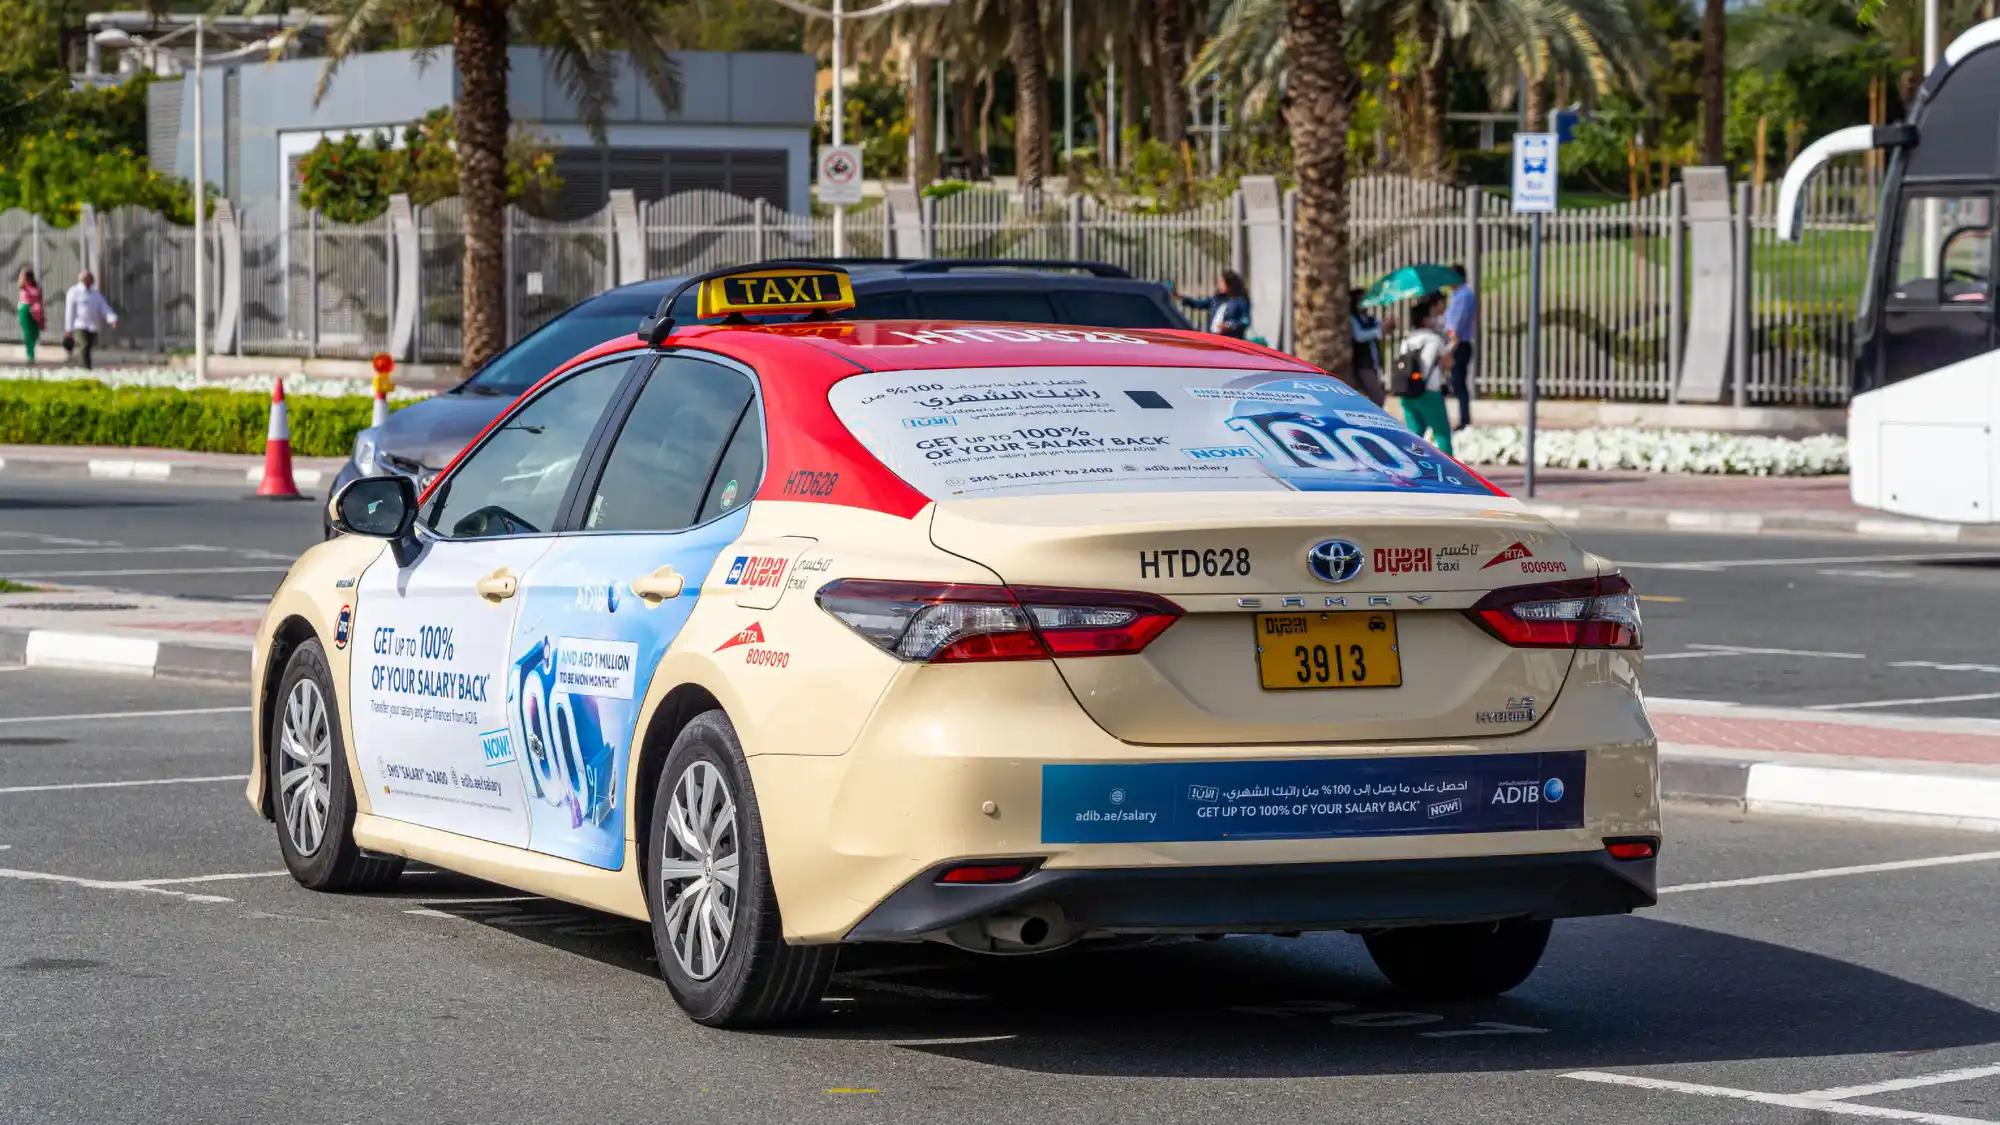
(87, 412)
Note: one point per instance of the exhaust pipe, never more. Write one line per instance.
(1028, 930)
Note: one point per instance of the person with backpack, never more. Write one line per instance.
(1421, 373)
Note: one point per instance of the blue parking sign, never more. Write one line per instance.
(1534, 172)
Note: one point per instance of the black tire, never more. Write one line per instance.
(334, 862)
(760, 981)
(1468, 961)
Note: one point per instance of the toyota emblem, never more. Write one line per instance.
(1334, 560)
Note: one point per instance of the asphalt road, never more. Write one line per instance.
(158, 966)
(154, 537)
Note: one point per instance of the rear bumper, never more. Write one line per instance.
(1281, 897)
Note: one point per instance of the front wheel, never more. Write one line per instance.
(1466, 961)
(716, 926)
(310, 791)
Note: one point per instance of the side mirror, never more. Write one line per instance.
(380, 507)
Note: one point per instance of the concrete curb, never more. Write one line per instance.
(123, 654)
(151, 469)
(1929, 793)
(1767, 523)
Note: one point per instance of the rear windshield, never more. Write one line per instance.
(1027, 431)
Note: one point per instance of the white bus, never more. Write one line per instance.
(1926, 404)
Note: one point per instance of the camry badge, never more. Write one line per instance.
(1334, 560)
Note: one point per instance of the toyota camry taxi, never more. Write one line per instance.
(783, 636)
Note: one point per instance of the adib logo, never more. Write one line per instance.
(1548, 792)
(1222, 453)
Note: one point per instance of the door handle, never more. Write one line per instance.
(658, 586)
(498, 586)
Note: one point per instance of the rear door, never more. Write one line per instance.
(1324, 555)
(671, 490)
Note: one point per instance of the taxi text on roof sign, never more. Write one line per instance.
(780, 290)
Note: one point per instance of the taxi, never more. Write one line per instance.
(784, 636)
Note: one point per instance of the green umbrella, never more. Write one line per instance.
(1410, 282)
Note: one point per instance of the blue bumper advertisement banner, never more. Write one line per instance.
(1311, 799)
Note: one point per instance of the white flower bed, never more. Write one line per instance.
(183, 379)
(1656, 451)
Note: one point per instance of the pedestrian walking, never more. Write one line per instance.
(30, 312)
(1228, 309)
(85, 314)
(1422, 371)
(1367, 332)
(1461, 326)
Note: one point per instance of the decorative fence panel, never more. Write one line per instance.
(1611, 316)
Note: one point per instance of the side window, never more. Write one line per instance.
(1946, 252)
(514, 483)
(742, 463)
(663, 472)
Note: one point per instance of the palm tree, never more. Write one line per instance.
(1169, 72)
(582, 39)
(1031, 96)
(1711, 81)
(1317, 100)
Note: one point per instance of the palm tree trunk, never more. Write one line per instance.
(1428, 155)
(986, 96)
(1131, 100)
(479, 47)
(1711, 82)
(923, 119)
(1317, 106)
(1031, 96)
(1169, 69)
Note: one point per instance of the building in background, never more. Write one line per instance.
(744, 125)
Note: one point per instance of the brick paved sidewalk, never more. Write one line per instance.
(1801, 734)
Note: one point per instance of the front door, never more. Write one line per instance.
(1938, 307)
(601, 608)
(429, 679)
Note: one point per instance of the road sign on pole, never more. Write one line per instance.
(1535, 195)
(838, 182)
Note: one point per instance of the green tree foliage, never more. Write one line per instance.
(351, 179)
(63, 148)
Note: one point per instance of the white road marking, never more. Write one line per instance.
(1936, 666)
(1897, 575)
(208, 878)
(113, 549)
(1700, 650)
(150, 571)
(1830, 872)
(38, 537)
(1822, 560)
(123, 784)
(490, 898)
(949, 1041)
(1788, 1101)
(125, 715)
(105, 884)
(1963, 1074)
(1904, 702)
(427, 912)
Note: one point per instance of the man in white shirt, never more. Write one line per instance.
(85, 314)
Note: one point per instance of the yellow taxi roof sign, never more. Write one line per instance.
(789, 289)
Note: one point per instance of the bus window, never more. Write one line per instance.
(1939, 306)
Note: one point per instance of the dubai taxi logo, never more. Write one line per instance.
(1518, 551)
(1403, 560)
(751, 634)
(755, 571)
(1334, 560)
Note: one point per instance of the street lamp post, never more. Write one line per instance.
(840, 15)
(200, 222)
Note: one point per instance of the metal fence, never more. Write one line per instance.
(1613, 311)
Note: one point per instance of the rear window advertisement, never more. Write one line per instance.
(1034, 431)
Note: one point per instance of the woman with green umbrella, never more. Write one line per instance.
(1411, 282)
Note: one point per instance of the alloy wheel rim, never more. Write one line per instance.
(698, 870)
(305, 769)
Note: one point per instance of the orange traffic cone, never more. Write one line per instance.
(385, 365)
(277, 483)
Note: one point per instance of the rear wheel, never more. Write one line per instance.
(715, 916)
(1460, 962)
(310, 791)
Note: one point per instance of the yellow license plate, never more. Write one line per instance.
(1327, 650)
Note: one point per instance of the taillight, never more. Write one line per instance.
(991, 871)
(949, 622)
(1583, 613)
